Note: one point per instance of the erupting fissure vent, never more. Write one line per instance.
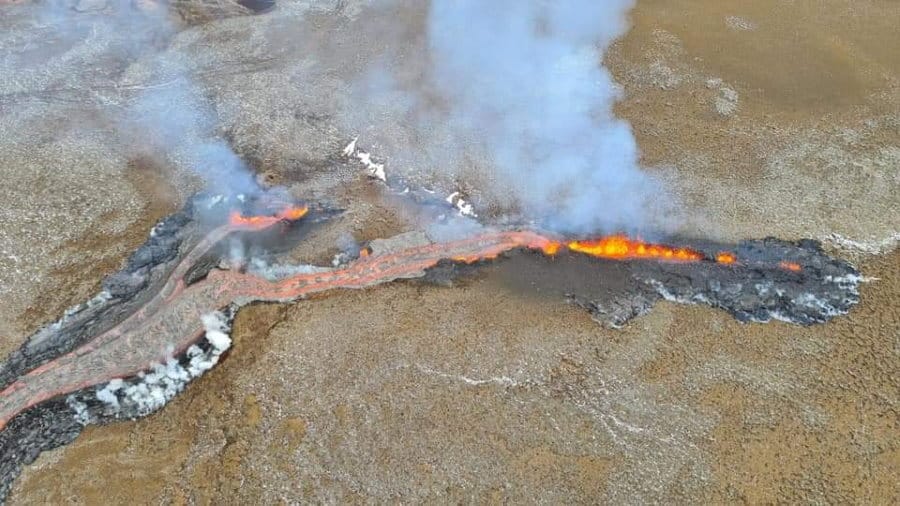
(131, 350)
(261, 222)
(620, 247)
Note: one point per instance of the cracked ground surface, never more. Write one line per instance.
(478, 392)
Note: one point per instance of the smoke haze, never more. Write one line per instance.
(144, 91)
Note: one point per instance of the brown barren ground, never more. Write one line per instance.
(767, 117)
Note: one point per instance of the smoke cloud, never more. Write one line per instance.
(519, 86)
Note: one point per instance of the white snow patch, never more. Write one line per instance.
(464, 207)
(375, 170)
(98, 299)
(870, 247)
(350, 150)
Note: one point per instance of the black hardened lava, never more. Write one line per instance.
(122, 293)
(60, 420)
(761, 287)
(41, 428)
(758, 287)
(54, 423)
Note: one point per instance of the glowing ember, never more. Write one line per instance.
(291, 213)
(726, 258)
(551, 248)
(790, 266)
(471, 259)
(620, 247)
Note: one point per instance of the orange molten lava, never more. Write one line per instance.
(726, 258)
(620, 247)
(551, 248)
(471, 259)
(613, 247)
(291, 213)
(790, 266)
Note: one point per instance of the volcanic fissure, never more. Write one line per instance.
(163, 320)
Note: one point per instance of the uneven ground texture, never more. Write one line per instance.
(767, 118)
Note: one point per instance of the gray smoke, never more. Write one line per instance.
(117, 63)
(178, 122)
(520, 85)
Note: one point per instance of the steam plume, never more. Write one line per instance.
(527, 77)
(519, 84)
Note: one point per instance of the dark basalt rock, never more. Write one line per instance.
(124, 291)
(44, 427)
(616, 312)
(258, 6)
(59, 421)
(758, 288)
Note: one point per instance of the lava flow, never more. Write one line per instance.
(726, 258)
(290, 213)
(790, 266)
(170, 321)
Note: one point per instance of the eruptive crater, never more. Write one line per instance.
(164, 319)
